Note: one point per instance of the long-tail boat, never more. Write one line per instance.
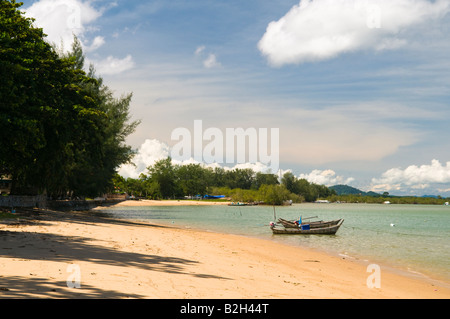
(306, 229)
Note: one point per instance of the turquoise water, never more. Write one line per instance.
(418, 243)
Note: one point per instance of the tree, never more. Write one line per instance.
(289, 181)
(305, 189)
(264, 179)
(40, 100)
(274, 194)
(104, 148)
(192, 179)
(216, 177)
(163, 176)
(239, 178)
(62, 132)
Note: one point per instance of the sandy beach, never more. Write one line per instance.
(45, 254)
(149, 202)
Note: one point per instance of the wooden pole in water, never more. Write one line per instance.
(274, 214)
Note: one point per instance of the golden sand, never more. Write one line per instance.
(47, 254)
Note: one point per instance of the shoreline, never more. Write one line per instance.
(174, 202)
(126, 259)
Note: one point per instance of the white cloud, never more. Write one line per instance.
(153, 150)
(326, 177)
(211, 59)
(148, 153)
(112, 65)
(62, 19)
(199, 50)
(256, 167)
(96, 43)
(414, 177)
(323, 29)
(444, 190)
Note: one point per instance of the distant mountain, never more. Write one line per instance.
(349, 190)
(431, 196)
(346, 190)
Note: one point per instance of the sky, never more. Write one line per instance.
(359, 90)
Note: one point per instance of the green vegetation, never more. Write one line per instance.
(166, 180)
(62, 131)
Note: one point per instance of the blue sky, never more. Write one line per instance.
(360, 90)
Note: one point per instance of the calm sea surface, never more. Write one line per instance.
(418, 241)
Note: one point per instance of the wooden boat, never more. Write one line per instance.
(315, 224)
(304, 230)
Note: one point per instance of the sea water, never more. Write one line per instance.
(413, 238)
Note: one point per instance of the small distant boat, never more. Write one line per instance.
(237, 204)
(326, 228)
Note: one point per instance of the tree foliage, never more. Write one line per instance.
(62, 131)
(166, 180)
(309, 191)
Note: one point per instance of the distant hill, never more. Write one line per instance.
(373, 194)
(349, 190)
(346, 190)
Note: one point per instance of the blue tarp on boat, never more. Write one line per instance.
(214, 196)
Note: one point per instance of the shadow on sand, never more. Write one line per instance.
(54, 247)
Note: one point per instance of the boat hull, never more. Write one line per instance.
(328, 230)
(318, 224)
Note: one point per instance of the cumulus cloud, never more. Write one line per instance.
(153, 150)
(96, 43)
(414, 177)
(148, 153)
(62, 19)
(323, 29)
(326, 177)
